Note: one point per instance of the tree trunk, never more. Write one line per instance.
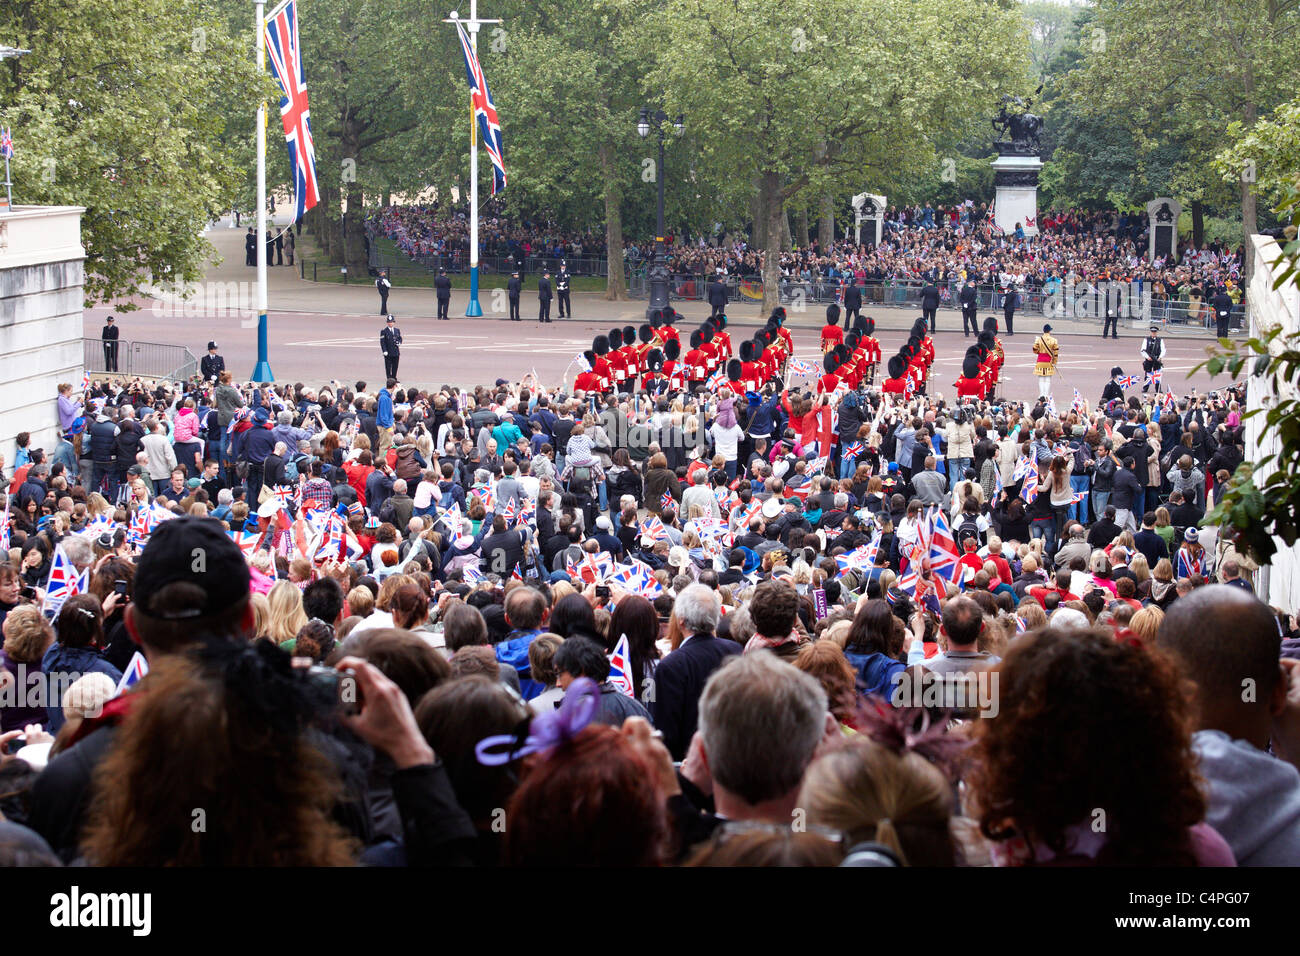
(758, 209)
(355, 253)
(354, 244)
(826, 227)
(616, 283)
(804, 230)
(1198, 223)
(784, 223)
(774, 210)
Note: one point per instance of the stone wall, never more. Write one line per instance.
(41, 300)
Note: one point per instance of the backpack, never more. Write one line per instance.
(448, 499)
(1082, 458)
(580, 481)
(968, 529)
(291, 471)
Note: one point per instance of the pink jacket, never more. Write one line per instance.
(186, 425)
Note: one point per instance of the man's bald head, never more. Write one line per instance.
(1228, 643)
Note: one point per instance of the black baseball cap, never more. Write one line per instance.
(196, 551)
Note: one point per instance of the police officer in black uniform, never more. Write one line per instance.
(1222, 305)
(562, 291)
(442, 285)
(930, 303)
(383, 285)
(1010, 302)
(513, 288)
(1153, 357)
(544, 297)
(109, 336)
(717, 295)
(852, 302)
(212, 364)
(1111, 297)
(969, 300)
(390, 342)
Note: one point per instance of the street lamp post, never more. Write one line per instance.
(658, 273)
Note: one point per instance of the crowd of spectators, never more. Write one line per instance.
(431, 231)
(1074, 248)
(525, 625)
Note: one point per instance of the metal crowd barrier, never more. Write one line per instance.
(143, 359)
(1076, 304)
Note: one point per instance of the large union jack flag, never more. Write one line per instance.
(485, 111)
(286, 64)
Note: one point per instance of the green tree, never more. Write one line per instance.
(788, 106)
(1269, 153)
(571, 72)
(122, 108)
(1182, 70)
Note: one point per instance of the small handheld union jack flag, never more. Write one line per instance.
(654, 528)
(853, 450)
(134, 673)
(6, 144)
(666, 501)
(287, 494)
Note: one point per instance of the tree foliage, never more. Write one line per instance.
(120, 108)
(785, 103)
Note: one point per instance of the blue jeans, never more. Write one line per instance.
(1099, 501)
(957, 470)
(848, 466)
(1045, 529)
(731, 469)
(1079, 511)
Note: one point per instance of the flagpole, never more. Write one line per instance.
(262, 372)
(473, 308)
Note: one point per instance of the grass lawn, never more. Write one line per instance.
(416, 277)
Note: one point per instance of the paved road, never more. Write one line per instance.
(320, 332)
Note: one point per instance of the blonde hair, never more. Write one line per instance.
(870, 792)
(1032, 613)
(361, 602)
(1140, 567)
(27, 634)
(261, 613)
(389, 588)
(1146, 622)
(286, 614)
